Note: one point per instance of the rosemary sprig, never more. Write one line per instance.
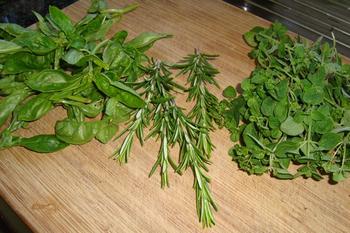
(136, 126)
(138, 122)
(191, 156)
(172, 127)
(201, 73)
(160, 82)
(171, 124)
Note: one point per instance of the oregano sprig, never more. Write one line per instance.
(294, 108)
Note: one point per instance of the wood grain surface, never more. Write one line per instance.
(81, 189)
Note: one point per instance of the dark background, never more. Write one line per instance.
(20, 11)
(309, 18)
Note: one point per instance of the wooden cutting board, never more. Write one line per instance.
(81, 189)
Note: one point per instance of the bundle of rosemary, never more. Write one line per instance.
(172, 126)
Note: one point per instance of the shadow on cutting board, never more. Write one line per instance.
(10, 222)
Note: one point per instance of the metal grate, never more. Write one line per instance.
(309, 18)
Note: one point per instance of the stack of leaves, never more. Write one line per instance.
(73, 66)
(173, 127)
(294, 109)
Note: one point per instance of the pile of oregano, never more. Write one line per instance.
(293, 109)
(102, 83)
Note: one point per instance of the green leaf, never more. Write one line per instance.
(9, 103)
(291, 128)
(259, 170)
(120, 37)
(23, 61)
(9, 47)
(51, 81)
(125, 94)
(75, 132)
(73, 56)
(92, 58)
(97, 28)
(249, 37)
(274, 122)
(229, 92)
(106, 131)
(36, 42)
(323, 126)
(146, 39)
(279, 29)
(61, 20)
(35, 108)
(329, 141)
(117, 111)
(248, 133)
(282, 173)
(268, 106)
(43, 143)
(97, 6)
(313, 95)
(345, 121)
(282, 89)
(13, 29)
(318, 77)
(112, 52)
(281, 110)
(284, 163)
(43, 25)
(339, 176)
(92, 109)
(287, 147)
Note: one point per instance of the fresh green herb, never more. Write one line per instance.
(73, 65)
(172, 126)
(206, 110)
(294, 109)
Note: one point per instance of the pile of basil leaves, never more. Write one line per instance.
(70, 65)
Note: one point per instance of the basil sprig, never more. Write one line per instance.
(74, 66)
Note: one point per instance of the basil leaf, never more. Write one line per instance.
(23, 61)
(106, 131)
(125, 94)
(9, 47)
(35, 108)
(13, 29)
(117, 111)
(75, 132)
(51, 81)
(36, 42)
(145, 40)
(9, 103)
(61, 20)
(43, 143)
(73, 56)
